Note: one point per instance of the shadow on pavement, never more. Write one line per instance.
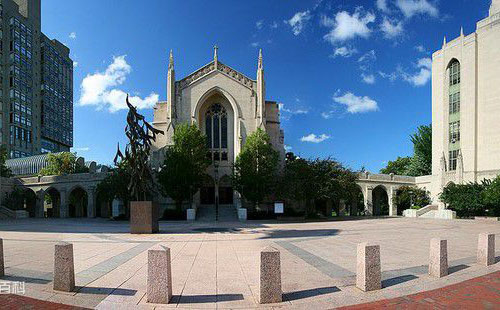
(457, 268)
(310, 293)
(104, 291)
(198, 299)
(398, 280)
(25, 279)
(295, 233)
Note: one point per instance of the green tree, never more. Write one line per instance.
(4, 171)
(407, 197)
(398, 167)
(421, 163)
(185, 165)
(491, 196)
(465, 199)
(62, 163)
(256, 167)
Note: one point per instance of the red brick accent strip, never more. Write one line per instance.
(15, 302)
(478, 293)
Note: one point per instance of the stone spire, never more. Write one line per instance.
(461, 31)
(171, 61)
(495, 7)
(215, 53)
(261, 65)
(444, 41)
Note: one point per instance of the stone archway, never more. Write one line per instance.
(226, 193)
(356, 204)
(52, 202)
(380, 198)
(30, 202)
(77, 202)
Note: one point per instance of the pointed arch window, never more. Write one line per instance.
(454, 72)
(216, 132)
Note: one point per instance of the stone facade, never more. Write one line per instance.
(466, 107)
(227, 106)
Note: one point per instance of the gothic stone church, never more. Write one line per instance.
(227, 106)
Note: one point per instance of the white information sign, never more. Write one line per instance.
(278, 207)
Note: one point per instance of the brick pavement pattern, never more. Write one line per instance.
(478, 293)
(16, 302)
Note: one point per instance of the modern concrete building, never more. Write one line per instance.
(466, 107)
(36, 80)
(227, 106)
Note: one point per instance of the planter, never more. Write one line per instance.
(143, 217)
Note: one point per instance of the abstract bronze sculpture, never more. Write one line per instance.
(140, 137)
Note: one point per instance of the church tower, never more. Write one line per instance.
(261, 93)
(495, 7)
(171, 88)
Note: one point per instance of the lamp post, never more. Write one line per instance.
(216, 176)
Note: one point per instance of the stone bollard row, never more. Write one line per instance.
(64, 267)
(438, 258)
(2, 265)
(270, 276)
(159, 289)
(486, 249)
(368, 269)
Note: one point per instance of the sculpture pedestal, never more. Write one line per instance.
(143, 217)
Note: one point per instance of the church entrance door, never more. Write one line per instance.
(207, 195)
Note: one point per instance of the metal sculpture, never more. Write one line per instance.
(140, 135)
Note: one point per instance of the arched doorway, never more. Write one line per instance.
(207, 191)
(380, 201)
(225, 191)
(356, 204)
(77, 202)
(103, 206)
(52, 203)
(30, 202)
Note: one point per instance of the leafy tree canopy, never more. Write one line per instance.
(62, 163)
(185, 165)
(4, 171)
(398, 167)
(256, 167)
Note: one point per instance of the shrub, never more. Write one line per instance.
(466, 199)
(408, 197)
(491, 196)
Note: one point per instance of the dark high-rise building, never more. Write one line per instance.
(36, 77)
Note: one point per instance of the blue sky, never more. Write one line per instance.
(353, 76)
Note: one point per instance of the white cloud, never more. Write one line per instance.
(75, 64)
(298, 21)
(369, 56)
(72, 35)
(413, 7)
(344, 51)
(345, 26)
(390, 29)
(288, 148)
(312, 138)
(356, 104)
(295, 112)
(368, 78)
(327, 115)
(99, 90)
(273, 25)
(391, 76)
(259, 24)
(254, 44)
(420, 48)
(382, 6)
(421, 77)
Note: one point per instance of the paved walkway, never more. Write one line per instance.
(217, 266)
(16, 302)
(478, 293)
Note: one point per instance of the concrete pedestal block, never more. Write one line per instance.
(486, 249)
(2, 264)
(64, 268)
(191, 214)
(242, 214)
(368, 269)
(143, 217)
(270, 276)
(438, 258)
(159, 275)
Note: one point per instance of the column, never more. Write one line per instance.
(393, 209)
(91, 202)
(39, 206)
(369, 201)
(63, 206)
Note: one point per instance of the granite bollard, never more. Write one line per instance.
(438, 258)
(64, 268)
(270, 276)
(368, 269)
(486, 249)
(2, 265)
(159, 275)
(143, 217)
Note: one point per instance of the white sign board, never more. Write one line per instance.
(278, 207)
